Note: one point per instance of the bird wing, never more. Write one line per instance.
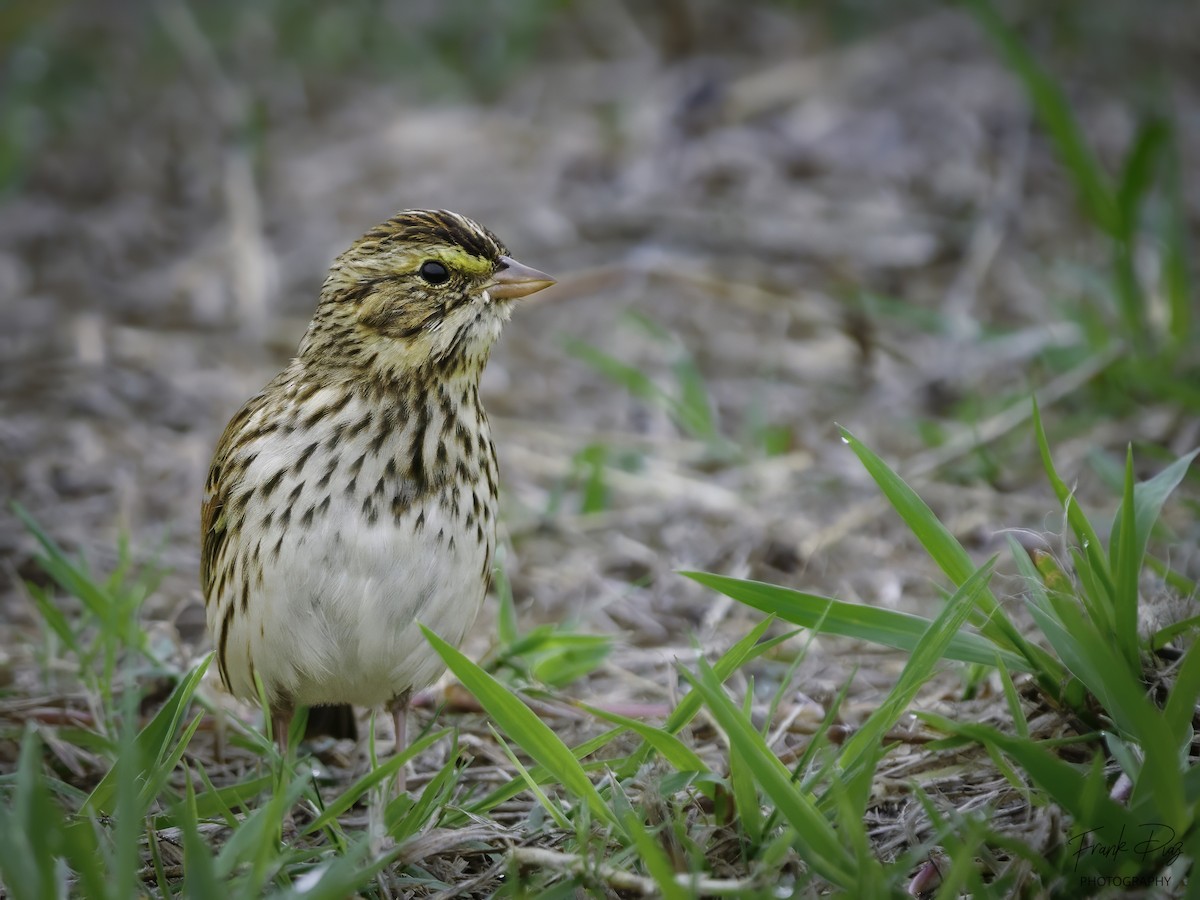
(214, 526)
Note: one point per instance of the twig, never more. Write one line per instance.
(251, 262)
(988, 234)
(657, 481)
(465, 887)
(623, 880)
(968, 439)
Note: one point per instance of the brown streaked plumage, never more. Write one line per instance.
(355, 495)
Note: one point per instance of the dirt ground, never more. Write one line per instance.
(864, 228)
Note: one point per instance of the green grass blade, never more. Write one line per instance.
(1165, 635)
(222, 801)
(1124, 698)
(1150, 495)
(653, 857)
(950, 556)
(1136, 179)
(569, 657)
(160, 772)
(153, 743)
(254, 841)
(375, 776)
(532, 785)
(887, 627)
(1066, 644)
(1137, 175)
(1083, 796)
(1015, 711)
(1045, 602)
(100, 602)
(1178, 281)
(1126, 564)
(31, 829)
(694, 407)
(53, 617)
(945, 550)
(506, 617)
(202, 882)
(523, 726)
(1088, 539)
(1095, 588)
(539, 774)
(1055, 114)
(741, 781)
(433, 798)
(1181, 704)
(630, 377)
(860, 752)
(671, 748)
(344, 876)
(819, 843)
(731, 660)
(87, 859)
(1140, 508)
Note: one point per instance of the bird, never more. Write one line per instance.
(355, 496)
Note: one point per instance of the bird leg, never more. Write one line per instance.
(281, 724)
(398, 707)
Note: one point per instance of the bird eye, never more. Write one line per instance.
(434, 272)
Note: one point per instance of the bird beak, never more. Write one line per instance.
(513, 280)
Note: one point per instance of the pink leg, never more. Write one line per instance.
(281, 724)
(399, 709)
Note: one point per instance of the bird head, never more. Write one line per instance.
(425, 289)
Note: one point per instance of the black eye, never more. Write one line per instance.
(434, 272)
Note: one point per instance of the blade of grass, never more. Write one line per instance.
(1123, 696)
(1181, 704)
(1125, 562)
(887, 627)
(652, 854)
(560, 819)
(990, 618)
(202, 882)
(673, 750)
(1054, 112)
(540, 775)
(741, 781)
(1140, 508)
(1083, 796)
(819, 843)
(153, 744)
(1136, 180)
(861, 752)
(1178, 283)
(734, 658)
(1150, 495)
(434, 797)
(1137, 174)
(30, 829)
(523, 726)
(53, 617)
(377, 775)
(222, 801)
(1089, 540)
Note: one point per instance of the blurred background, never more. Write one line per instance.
(766, 218)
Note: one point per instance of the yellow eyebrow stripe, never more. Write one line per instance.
(461, 261)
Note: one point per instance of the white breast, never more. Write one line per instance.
(335, 618)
